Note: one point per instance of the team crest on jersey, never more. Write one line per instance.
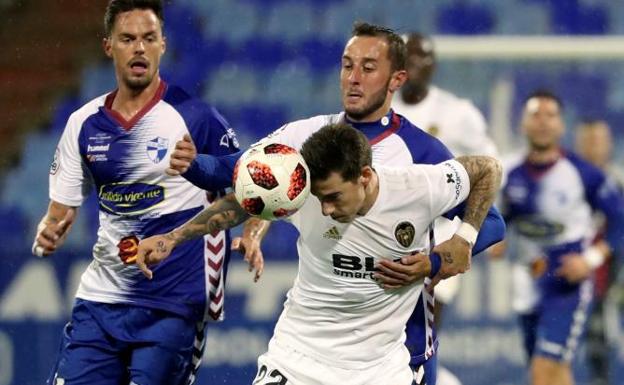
(433, 130)
(404, 233)
(157, 149)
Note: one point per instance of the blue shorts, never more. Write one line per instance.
(118, 344)
(555, 328)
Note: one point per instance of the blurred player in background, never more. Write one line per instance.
(594, 143)
(548, 201)
(455, 121)
(339, 326)
(124, 328)
(372, 70)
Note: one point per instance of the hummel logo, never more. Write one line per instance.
(332, 234)
(449, 178)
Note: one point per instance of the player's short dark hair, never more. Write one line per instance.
(543, 93)
(115, 7)
(337, 148)
(397, 52)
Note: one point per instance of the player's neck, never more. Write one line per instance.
(129, 102)
(414, 95)
(372, 192)
(544, 156)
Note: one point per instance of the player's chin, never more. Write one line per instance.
(138, 82)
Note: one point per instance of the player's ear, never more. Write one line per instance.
(397, 80)
(366, 175)
(107, 46)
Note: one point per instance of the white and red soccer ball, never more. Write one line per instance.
(271, 181)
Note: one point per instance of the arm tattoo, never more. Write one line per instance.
(485, 175)
(223, 214)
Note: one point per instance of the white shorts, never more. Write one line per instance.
(282, 365)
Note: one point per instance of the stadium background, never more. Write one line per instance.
(262, 63)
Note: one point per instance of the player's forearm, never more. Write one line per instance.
(485, 175)
(223, 214)
(56, 212)
(211, 172)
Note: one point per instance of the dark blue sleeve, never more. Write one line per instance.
(492, 231)
(211, 172)
(217, 148)
(604, 195)
(212, 135)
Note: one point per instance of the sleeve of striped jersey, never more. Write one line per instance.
(449, 185)
(69, 179)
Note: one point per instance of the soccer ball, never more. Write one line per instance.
(271, 181)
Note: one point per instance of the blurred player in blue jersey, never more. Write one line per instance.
(548, 201)
(594, 142)
(125, 329)
(372, 70)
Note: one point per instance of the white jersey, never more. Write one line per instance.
(125, 162)
(455, 121)
(336, 312)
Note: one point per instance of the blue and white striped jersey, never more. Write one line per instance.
(125, 162)
(549, 207)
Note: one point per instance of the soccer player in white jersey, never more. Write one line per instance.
(124, 328)
(372, 70)
(548, 200)
(339, 325)
(455, 121)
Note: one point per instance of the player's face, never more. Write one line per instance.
(340, 199)
(136, 45)
(365, 76)
(542, 123)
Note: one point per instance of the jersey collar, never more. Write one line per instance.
(380, 129)
(128, 124)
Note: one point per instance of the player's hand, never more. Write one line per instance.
(152, 250)
(403, 272)
(182, 156)
(455, 255)
(573, 268)
(252, 254)
(51, 235)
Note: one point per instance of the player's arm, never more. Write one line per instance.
(53, 228)
(605, 196)
(451, 257)
(223, 214)
(206, 155)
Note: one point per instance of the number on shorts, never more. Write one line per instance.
(275, 377)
